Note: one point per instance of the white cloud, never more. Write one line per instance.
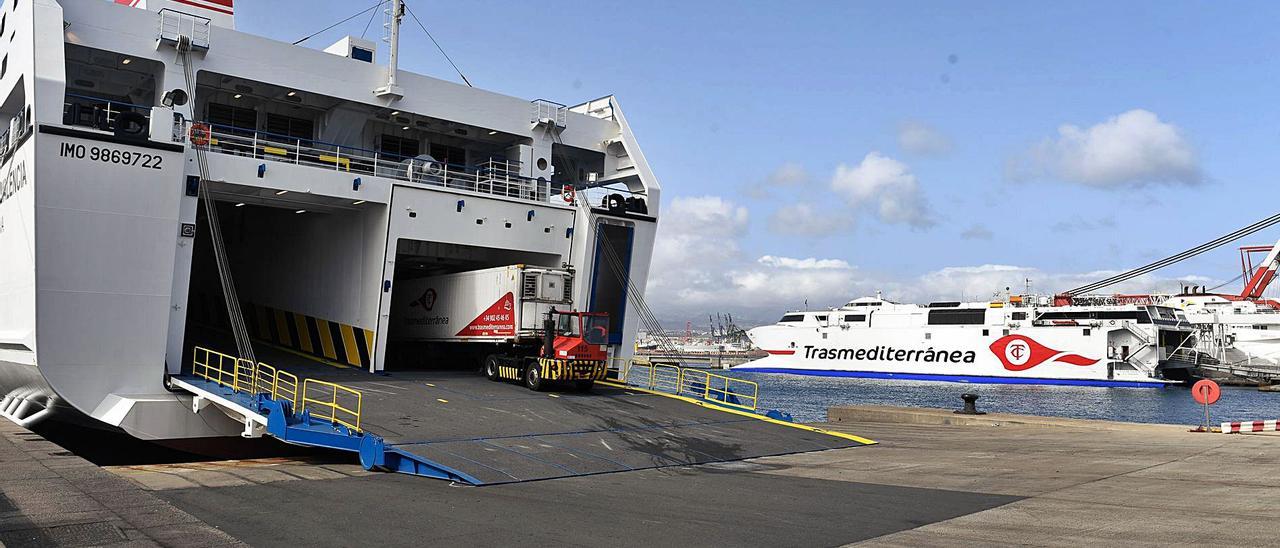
(976, 232)
(920, 138)
(1134, 148)
(697, 237)
(806, 220)
(803, 264)
(885, 185)
(699, 267)
(789, 174)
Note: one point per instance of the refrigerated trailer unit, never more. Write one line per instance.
(517, 320)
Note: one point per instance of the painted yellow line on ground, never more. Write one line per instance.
(756, 416)
(431, 385)
(442, 400)
(554, 395)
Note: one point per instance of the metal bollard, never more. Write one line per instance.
(970, 405)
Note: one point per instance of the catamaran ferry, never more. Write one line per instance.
(1016, 341)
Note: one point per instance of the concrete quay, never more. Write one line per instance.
(1012, 480)
(51, 497)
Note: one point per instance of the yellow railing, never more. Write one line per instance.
(721, 388)
(286, 388)
(329, 401)
(332, 402)
(685, 381)
(215, 367)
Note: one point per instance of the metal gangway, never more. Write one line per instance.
(1264, 373)
(306, 411)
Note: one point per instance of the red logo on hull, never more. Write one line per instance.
(1019, 353)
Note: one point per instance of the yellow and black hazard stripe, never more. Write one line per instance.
(572, 370)
(509, 372)
(338, 342)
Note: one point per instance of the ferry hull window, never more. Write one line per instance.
(958, 316)
(449, 154)
(361, 54)
(399, 146)
(298, 128)
(855, 317)
(791, 318)
(233, 116)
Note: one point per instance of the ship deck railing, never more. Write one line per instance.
(494, 176)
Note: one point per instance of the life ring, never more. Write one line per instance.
(200, 134)
(567, 192)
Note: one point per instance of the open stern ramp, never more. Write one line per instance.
(461, 426)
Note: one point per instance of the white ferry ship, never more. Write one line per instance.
(334, 176)
(1011, 341)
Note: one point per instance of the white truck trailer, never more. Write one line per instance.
(517, 320)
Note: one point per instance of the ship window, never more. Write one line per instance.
(855, 317)
(399, 146)
(361, 54)
(985, 332)
(958, 316)
(449, 154)
(1017, 316)
(298, 128)
(820, 318)
(232, 116)
(1086, 332)
(792, 318)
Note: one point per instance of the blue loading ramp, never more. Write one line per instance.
(463, 427)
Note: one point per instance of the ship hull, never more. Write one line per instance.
(1062, 355)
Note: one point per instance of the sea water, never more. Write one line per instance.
(807, 398)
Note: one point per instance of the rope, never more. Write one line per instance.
(634, 296)
(234, 314)
(1212, 244)
(433, 41)
(362, 12)
(372, 16)
(1226, 283)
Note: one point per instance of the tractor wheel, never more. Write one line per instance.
(491, 368)
(533, 378)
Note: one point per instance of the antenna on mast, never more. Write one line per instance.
(394, 15)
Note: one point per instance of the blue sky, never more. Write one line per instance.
(821, 150)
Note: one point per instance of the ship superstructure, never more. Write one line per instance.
(333, 177)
